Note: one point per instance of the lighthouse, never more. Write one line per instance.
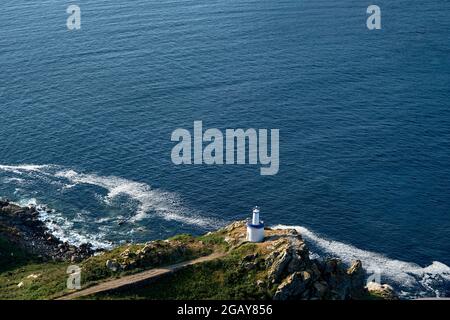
(255, 227)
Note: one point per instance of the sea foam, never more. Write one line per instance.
(411, 279)
(146, 203)
(19, 169)
(167, 205)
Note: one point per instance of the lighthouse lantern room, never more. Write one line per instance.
(255, 227)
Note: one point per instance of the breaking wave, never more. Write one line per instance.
(140, 201)
(410, 279)
(63, 228)
(164, 204)
(20, 169)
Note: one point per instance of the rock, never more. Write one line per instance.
(278, 266)
(128, 265)
(250, 262)
(289, 254)
(315, 269)
(112, 265)
(382, 291)
(32, 234)
(282, 259)
(260, 283)
(20, 285)
(4, 203)
(357, 280)
(250, 257)
(248, 266)
(321, 289)
(293, 287)
(87, 247)
(235, 225)
(127, 254)
(343, 284)
(235, 233)
(331, 266)
(299, 257)
(355, 268)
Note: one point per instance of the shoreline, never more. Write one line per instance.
(281, 264)
(22, 226)
(26, 228)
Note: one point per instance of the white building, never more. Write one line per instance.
(255, 227)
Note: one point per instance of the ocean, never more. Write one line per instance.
(86, 118)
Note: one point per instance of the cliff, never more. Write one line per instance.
(279, 268)
(21, 226)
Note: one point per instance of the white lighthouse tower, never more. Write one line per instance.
(255, 227)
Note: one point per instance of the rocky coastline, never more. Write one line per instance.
(22, 226)
(293, 275)
(280, 267)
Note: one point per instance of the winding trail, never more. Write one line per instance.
(137, 278)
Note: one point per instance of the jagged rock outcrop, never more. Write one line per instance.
(289, 254)
(112, 265)
(382, 291)
(154, 253)
(292, 273)
(22, 226)
(280, 267)
(295, 286)
(312, 279)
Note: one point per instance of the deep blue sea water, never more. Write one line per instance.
(364, 118)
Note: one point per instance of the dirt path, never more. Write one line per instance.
(136, 278)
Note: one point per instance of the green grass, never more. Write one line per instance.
(184, 237)
(214, 239)
(175, 249)
(16, 266)
(94, 268)
(11, 256)
(374, 296)
(218, 279)
(50, 282)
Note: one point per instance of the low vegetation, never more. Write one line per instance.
(134, 258)
(278, 268)
(226, 278)
(25, 276)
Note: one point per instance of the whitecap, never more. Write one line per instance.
(19, 169)
(166, 205)
(63, 229)
(14, 180)
(410, 277)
